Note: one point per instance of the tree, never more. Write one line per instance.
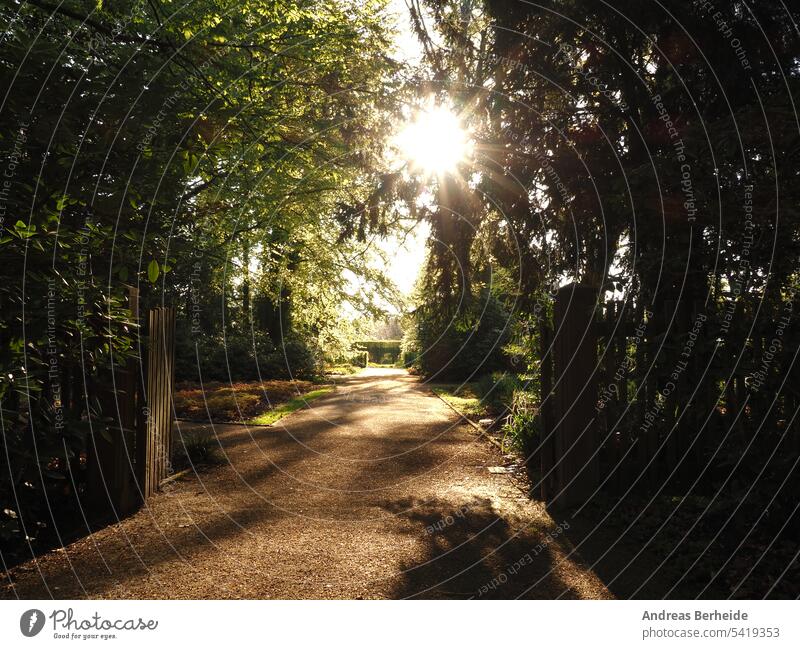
(198, 151)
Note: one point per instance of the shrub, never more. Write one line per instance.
(237, 357)
(461, 345)
(293, 359)
(360, 359)
(381, 351)
(196, 449)
(497, 390)
(521, 427)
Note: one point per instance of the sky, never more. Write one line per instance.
(406, 44)
(406, 256)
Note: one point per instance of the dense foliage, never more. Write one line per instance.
(381, 351)
(651, 151)
(228, 157)
(202, 152)
(460, 342)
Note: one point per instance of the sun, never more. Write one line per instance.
(434, 141)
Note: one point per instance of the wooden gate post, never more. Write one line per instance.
(575, 438)
(155, 448)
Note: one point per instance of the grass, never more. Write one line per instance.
(463, 398)
(238, 402)
(271, 416)
(343, 369)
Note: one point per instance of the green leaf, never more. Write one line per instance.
(105, 433)
(153, 271)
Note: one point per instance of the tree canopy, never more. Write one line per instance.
(202, 152)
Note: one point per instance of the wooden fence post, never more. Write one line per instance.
(575, 436)
(154, 451)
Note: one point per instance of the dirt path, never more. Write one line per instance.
(376, 491)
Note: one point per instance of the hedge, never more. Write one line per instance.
(381, 351)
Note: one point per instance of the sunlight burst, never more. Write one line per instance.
(434, 142)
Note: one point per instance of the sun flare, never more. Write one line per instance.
(435, 141)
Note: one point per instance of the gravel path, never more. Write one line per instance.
(376, 491)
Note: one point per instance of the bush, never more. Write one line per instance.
(497, 390)
(237, 357)
(195, 449)
(360, 359)
(457, 347)
(521, 427)
(293, 359)
(380, 350)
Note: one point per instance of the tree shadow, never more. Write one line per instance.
(472, 543)
(677, 549)
(472, 551)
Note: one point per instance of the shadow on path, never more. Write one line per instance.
(376, 490)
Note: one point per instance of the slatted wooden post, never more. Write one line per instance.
(154, 451)
(575, 434)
